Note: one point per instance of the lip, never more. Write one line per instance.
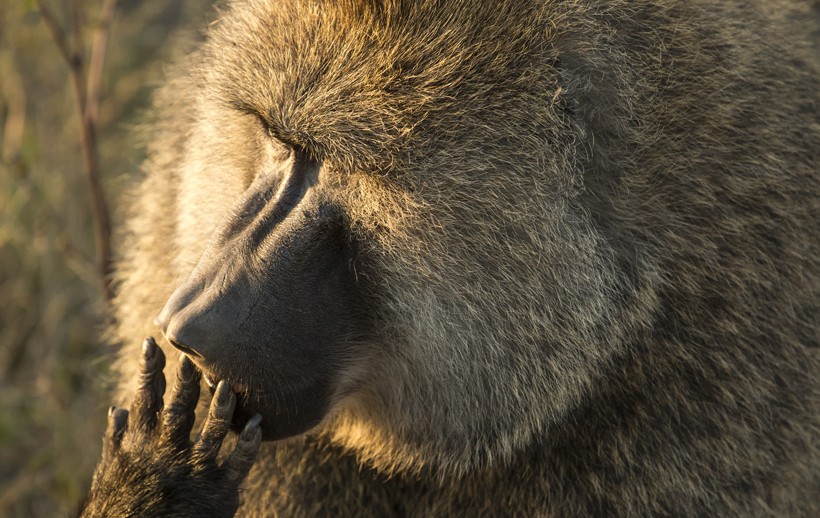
(242, 413)
(212, 383)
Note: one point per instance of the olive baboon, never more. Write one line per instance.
(554, 258)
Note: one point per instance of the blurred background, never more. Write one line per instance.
(54, 362)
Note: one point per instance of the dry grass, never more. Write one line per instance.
(54, 368)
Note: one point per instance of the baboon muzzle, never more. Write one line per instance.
(274, 281)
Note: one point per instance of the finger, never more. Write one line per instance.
(217, 423)
(244, 455)
(148, 399)
(117, 424)
(180, 412)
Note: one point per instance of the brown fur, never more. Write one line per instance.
(594, 231)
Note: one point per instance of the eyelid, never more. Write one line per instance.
(275, 137)
(264, 120)
(281, 150)
(272, 130)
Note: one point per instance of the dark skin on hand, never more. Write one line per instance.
(151, 441)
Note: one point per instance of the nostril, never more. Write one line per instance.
(187, 350)
(193, 320)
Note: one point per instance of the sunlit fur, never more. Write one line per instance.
(593, 229)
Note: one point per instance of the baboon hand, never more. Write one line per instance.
(150, 467)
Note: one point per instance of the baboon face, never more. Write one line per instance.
(394, 241)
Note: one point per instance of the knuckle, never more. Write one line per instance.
(217, 425)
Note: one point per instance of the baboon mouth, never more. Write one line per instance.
(242, 413)
(284, 413)
(237, 388)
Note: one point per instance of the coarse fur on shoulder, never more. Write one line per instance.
(591, 230)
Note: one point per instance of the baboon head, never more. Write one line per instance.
(397, 255)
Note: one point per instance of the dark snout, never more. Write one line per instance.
(274, 273)
(212, 305)
(286, 290)
(272, 297)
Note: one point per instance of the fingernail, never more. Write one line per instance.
(149, 348)
(251, 427)
(186, 370)
(223, 393)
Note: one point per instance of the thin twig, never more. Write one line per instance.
(97, 60)
(57, 33)
(87, 93)
(76, 11)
